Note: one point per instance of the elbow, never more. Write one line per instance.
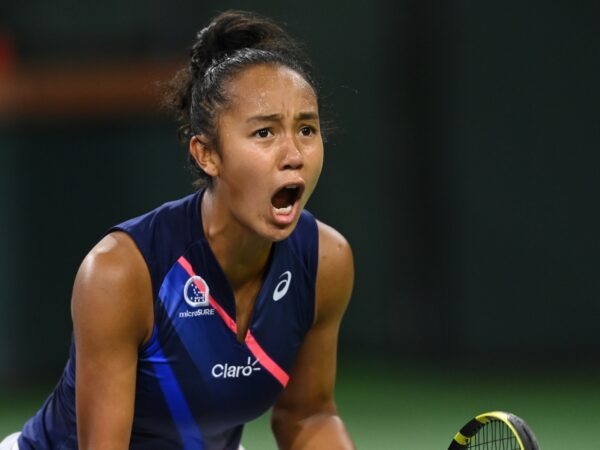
(284, 416)
(292, 427)
(284, 426)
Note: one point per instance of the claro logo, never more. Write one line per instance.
(231, 371)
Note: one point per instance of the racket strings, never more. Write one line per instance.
(495, 435)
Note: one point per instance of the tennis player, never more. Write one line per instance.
(197, 317)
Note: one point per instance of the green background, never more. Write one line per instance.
(464, 171)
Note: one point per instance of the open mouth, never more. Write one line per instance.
(284, 199)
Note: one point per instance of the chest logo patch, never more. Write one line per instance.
(283, 285)
(195, 292)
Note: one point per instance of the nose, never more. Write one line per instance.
(292, 157)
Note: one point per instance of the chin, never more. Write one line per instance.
(276, 233)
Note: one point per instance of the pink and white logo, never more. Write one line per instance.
(196, 292)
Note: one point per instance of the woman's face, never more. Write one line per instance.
(271, 149)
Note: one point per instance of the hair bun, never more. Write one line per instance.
(235, 30)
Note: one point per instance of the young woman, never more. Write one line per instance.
(197, 317)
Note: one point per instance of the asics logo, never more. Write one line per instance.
(283, 285)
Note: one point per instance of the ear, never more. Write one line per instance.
(205, 155)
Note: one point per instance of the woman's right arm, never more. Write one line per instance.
(112, 316)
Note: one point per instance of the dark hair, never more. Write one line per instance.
(233, 41)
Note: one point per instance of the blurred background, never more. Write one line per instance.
(464, 170)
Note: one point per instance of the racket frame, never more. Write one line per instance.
(467, 432)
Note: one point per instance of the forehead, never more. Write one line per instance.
(269, 89)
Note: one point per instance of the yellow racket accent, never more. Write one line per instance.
(503, 417)
(462, 439)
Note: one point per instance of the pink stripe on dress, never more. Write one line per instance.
(261, 356)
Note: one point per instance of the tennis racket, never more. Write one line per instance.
(495, 431)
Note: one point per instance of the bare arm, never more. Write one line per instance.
(112, 316)
(305, 415)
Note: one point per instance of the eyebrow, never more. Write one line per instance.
(307, 115)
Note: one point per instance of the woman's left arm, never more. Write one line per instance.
(305, 415)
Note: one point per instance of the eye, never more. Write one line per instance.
(307, 130)
(263, 133)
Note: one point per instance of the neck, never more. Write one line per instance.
(242, 254)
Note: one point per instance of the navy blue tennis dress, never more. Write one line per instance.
(196, 384)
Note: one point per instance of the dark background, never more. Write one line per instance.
(464, 169)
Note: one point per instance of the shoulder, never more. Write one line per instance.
(333, 246)
(115, 258)
(335, 274)
(113, 287)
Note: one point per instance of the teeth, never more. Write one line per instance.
(286, 210)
